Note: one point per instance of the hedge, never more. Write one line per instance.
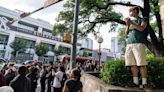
(115, 73)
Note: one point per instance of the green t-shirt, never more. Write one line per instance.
(136, 36)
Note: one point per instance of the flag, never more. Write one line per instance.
(50, 2)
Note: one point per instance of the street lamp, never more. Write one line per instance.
(99, 40)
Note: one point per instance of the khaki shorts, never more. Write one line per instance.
(135, 55)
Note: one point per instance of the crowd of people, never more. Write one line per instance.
(26, 78)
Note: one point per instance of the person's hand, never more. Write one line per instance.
(128, 21)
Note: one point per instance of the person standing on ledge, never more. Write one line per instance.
(135, 55)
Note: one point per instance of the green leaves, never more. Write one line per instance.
(59, 29)
(91, 13)
(18, 46)
(63, 51)
(41, 49)
(115, 73)
(157, 8)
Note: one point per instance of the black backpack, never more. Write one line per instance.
(63, 79)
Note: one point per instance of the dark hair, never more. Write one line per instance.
(76, 73)
(44, 66)
(135, 8)
(50, 62)
(22, 70)
(33, 69)
(62, 68)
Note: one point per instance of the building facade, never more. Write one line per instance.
(86, 43)
(34, 31)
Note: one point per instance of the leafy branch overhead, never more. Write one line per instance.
(91, 15)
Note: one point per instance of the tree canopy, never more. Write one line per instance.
(18, 46)
(41, 49)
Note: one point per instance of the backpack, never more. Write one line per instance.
(63, 79)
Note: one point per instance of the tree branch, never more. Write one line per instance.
(118, 3)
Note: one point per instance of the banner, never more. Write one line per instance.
(50, 2)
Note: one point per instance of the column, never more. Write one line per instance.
(8, 48)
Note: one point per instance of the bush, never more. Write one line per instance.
(115, 73)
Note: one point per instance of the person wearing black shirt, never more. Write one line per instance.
(74, 84)
(49, 76)
(32, 75)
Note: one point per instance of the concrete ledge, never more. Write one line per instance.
(161, 2)
(94, 84)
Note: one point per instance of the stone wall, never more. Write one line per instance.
(94, 84)
(162, 14)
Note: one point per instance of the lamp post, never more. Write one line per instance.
(99, 40)
(75, 28)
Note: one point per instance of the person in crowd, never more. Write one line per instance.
(58, 76)
(74, 84)
(32, 75)
(64, 77)
(43, 77)
(49, 76)
(135, 55)
(6, 89)
(10, 73)
(21, 83)
(2, 78)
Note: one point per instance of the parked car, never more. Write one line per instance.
(28, 62)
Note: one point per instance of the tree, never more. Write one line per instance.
(41, 49)
(18, 46)
(97, 12)
(63, 51)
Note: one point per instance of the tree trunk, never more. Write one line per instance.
(155, 45)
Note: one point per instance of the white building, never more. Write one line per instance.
(30, 29)
(86, 43)
(114, 45)
(116, 49)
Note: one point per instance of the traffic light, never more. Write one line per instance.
(67, 37)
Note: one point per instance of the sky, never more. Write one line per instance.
(49, 14)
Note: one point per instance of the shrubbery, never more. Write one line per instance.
(116, 73)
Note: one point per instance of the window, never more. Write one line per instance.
(3, 39)
(30, 44)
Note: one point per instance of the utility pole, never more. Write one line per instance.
(75, 28)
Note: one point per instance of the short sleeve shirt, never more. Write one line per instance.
(57, 79)
(136, 36)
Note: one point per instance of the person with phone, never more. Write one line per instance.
(135, 55)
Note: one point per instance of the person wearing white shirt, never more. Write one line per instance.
(58, 76)
(6, 89)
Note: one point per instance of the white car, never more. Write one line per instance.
(28, 62)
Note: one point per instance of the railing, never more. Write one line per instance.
(35, 33)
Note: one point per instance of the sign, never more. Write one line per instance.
(50, 2)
